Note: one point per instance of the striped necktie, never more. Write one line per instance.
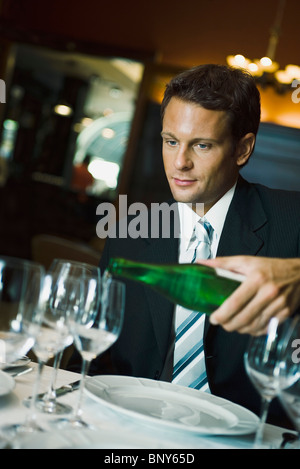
(189, 362)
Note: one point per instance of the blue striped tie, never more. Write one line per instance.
(189, 363)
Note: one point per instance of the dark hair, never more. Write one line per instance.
(219, 88)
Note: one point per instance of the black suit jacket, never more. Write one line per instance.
(260, 221)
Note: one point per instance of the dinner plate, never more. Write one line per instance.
(7, 383)
(174, 407)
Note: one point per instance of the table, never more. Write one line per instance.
(110, 431)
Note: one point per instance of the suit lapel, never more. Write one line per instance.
(244, 220)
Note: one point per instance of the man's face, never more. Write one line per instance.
(198, 154)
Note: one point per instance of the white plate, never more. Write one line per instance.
(175, 407)
(7, 383)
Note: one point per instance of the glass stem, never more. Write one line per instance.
(84, 370)
(31, 417)
(263, 417)
(50, 397)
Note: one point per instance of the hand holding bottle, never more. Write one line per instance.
(271, 288)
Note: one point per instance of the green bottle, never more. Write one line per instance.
(194, 286)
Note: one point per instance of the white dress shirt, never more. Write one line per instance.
(215, 216)
(188, 218)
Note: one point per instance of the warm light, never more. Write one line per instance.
(268, 65)
(253, 67)
(240, 60)
(283, 77)
(230, 60)
(265, 65)
(106, 171)
(266, 70)
(63, 110)
(237, 60)
(266, 62)
(293, 71)
(85, 121)
(108, 133)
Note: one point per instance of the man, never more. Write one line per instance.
(210, 117)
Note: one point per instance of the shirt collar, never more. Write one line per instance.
(215, 216)
(188, 218)
(218, 212)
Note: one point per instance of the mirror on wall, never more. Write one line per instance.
(68, 118)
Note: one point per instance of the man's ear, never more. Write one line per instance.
(244, 149)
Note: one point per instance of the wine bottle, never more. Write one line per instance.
(194, 286)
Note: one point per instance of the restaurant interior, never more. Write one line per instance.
(81, 86)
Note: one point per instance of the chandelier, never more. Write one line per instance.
(266, 70)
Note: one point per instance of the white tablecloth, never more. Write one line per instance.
(110, 430)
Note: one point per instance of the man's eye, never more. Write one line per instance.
(172, 143)
(203, 146)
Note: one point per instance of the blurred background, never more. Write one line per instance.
(80, 92)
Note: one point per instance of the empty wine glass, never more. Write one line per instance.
(51, 332)
(290, 398)
(289, 376)
(62, 268)
(20, 283)
(95, 326)
(261, 362)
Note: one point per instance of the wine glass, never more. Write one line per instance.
(62, 268)
(51, 332)
(261, 363)
(289, 376)
(95, 326)
(20, 283)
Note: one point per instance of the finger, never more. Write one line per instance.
(281, 316)
(234, 304)
(277, 308)
(262, 306)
